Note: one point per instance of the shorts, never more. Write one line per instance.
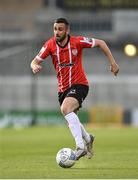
(78, 91)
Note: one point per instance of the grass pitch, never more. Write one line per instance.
(30, 154)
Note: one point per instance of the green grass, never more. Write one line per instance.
(30, 154)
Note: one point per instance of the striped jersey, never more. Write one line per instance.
(67, 60)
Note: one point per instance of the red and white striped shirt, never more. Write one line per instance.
(67, 60)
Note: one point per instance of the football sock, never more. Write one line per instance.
(85, 135)
(75, 128)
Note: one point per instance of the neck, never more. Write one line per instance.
(62, 43)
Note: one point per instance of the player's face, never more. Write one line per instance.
(60, 31)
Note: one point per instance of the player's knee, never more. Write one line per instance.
(65, 110)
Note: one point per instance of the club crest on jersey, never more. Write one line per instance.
(74, 52)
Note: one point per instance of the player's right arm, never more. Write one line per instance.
(36, 65)
(36, 62)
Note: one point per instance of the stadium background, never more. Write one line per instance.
(27, 99)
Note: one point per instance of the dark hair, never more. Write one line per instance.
(62, 20)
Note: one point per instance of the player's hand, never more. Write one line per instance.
(36, 68)
(114, 68)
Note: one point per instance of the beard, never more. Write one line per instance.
(60, 38)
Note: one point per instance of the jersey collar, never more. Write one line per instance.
(66, 42)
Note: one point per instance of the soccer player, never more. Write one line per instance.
(66, 53)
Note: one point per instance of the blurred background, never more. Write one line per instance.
(27, 99)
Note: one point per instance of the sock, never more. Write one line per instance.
(85, 135)
(74, 126)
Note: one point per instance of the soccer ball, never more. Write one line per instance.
(66, 158)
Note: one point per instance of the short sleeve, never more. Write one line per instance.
(44, 52)
(86, 42)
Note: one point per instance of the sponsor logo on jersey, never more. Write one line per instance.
(66, 64)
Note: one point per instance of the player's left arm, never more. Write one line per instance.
(114, 68)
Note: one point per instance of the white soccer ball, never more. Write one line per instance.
(66, 158)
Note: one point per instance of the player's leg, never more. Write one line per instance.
(85, 134)
(69, 105)
(89, 139)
